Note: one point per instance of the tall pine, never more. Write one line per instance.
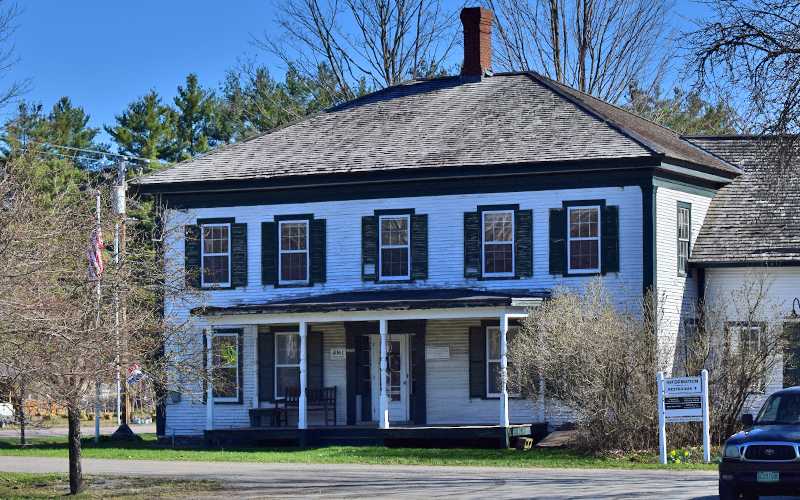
(146, 129)
(194, 127)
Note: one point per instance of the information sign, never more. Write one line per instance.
(683, 399)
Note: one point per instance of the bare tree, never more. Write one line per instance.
(753, 48)
(389, 41)
(9, 11)
(596, 46)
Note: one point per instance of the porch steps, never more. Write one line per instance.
(556, 439)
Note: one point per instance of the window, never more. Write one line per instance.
(684, 236)
(225, 357)
(216, 255)
(287, 362)
(493, 354)
(583, 247)
(395, 250)
(747, 341)
(498, 243)
(693, 347)
(293, 252)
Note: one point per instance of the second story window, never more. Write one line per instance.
(498, 243)
(583, 247)
(684, 236)
(293, 252)
(394, 247)
(216, 255)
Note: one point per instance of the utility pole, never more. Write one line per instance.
(119, 248)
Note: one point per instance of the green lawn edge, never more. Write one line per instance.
(149, 449)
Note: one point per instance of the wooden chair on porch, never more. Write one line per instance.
(316, 400)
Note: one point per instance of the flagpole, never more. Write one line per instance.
(97, 383)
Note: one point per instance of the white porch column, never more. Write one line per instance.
(210, 388)
(254, 329)
(384, 408)
(302, 422)
(503, 372)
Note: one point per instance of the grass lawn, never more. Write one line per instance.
(149, 449)
(31, 486)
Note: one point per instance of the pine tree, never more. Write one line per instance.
(194, 125)
(146, 129)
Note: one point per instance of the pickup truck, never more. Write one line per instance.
(764, 459)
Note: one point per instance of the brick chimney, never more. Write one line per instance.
(477, 23)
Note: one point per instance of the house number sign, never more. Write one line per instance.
(337, 354)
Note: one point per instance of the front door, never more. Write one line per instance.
(397, 376)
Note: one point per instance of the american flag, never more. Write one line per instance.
(95, 254)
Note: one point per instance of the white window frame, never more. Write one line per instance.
(381, 247)
(283, 365)
(684, 270)
(484, 243)
(281, 281)
(570, 239)
(235, 335)
(498, 360)
(736, 342)
(203, 255)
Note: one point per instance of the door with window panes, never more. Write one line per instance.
(398, 376)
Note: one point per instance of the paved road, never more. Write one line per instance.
(86, 430)
(289, 481)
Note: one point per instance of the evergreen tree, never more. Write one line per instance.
(685, 112)
(146, 129)
(194, 127)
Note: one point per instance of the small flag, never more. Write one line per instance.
(135, 374)
(95, 254)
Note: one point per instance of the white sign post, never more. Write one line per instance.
(683, 399)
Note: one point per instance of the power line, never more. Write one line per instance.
(105, 153)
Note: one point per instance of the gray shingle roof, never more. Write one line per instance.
(756, 218)
(444, 122)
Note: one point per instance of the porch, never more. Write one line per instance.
(369, 434)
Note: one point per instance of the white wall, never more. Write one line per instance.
(678, 294)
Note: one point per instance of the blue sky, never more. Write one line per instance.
(103, 54)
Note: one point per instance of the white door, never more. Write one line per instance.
(397, 376)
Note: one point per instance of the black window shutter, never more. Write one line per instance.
(238, 255)
(472, 245)
(419, 246)
(314, 360)
(558, 241)
(240, 364)
(205, 366)
(266, 366)
(269, 253)
(317, 251)
(369, 248)
(477, 362)
(609, 240)
(192, 257)
(523, 243)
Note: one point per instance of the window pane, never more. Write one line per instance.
(583, 223)
(294, 236)
(287, 377)
(498, 227)
(223, 236)
(215, 269)
(584, 254)
(394, 231)
(224, 349)
(394, 262)
(498, 258)
(493, 343)
(494, 378)
(287, 349)
(224, 384)
(294, 267)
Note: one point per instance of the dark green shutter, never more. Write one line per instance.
(238, 255)
(266, 366)
(477, 362)
(205, 366)
(369, 248)
(523, 243)
(791, 354)
(558, 241)
(472, 245)
(609, 240)
(269, 253)
(192, 256)
(317, 251)
(314, 355)
(419, 246)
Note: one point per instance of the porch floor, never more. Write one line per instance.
(369, 434)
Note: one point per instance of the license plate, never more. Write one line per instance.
(767, 477)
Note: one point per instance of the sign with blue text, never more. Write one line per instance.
(683, 399)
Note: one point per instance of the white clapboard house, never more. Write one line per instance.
(388, 246)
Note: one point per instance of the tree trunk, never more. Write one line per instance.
(75, 472)
(21, 415)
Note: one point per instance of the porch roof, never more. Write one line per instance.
(385, 300)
